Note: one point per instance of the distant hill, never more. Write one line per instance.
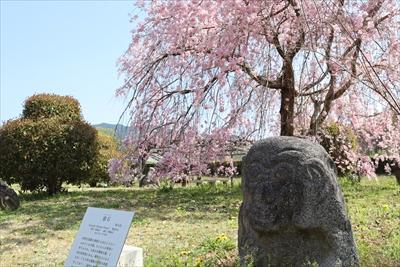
(121, 130)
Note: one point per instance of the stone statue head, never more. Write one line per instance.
(291, 201)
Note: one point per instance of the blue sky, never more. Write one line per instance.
(64, 47)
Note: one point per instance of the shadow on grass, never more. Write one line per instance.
(65, 210)
(9, 243)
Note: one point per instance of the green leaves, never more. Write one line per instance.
(108, 149)
(43, 106)
(44, 149)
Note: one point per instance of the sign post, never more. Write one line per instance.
(100, 238)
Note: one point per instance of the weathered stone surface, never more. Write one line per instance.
(8, 198)
(396, 173)
(293, 212)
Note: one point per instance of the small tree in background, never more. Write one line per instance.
(341, 144)
(49, 145)
(108, 149)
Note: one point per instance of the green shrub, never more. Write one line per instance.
(341, 144)
(48, 146)
(45, 153)
(42, 106)
(108, 149)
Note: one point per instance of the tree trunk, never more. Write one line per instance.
(92, 184)
(53, 186)
(288, 94)
(313, 128)
(287, 112)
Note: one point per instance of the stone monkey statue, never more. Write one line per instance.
(293, 212)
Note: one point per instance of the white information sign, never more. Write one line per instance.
(100, 238)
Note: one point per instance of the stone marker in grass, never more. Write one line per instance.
(8, 198)
(293, 212)
(131, 257)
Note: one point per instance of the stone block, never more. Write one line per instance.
(131, 257)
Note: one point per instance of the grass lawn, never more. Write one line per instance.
(192, 226)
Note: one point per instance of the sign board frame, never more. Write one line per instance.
(100, 239)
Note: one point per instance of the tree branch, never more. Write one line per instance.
(262, 80)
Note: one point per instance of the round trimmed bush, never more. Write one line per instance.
(41, 106)
(49, 145)
(42, 154)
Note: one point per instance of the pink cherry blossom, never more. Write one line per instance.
(198, 72)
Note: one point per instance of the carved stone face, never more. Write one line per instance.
(280, 185)
(293, 212)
